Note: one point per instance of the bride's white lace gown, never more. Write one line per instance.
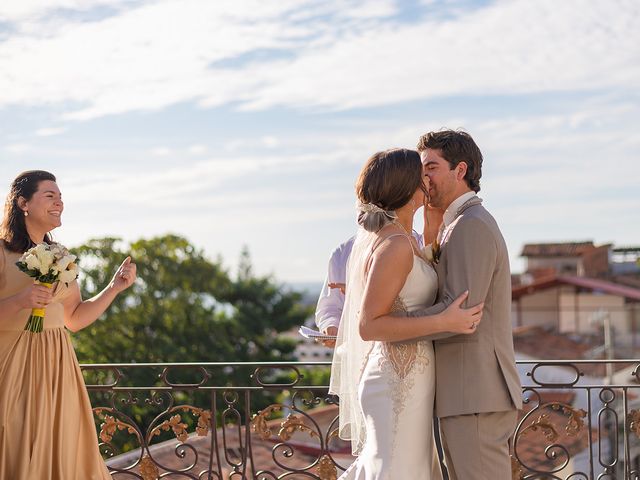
(396, 394)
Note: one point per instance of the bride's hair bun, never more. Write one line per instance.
(372, 218)
(387, 182)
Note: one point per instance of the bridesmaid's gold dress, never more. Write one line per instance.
(47, 430)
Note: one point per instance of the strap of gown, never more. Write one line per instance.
(380, 242)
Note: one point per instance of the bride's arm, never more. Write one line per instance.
(390, 266)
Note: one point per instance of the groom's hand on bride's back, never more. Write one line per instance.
(462, 320)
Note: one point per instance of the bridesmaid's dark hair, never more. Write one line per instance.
(13, 229)
(387, 181)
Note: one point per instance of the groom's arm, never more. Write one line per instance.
(470, 263)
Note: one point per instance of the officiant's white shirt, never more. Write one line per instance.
(331, 300)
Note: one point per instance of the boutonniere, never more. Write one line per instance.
(432, 252)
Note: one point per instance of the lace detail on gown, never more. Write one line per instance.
(396, 395)
(400, 361)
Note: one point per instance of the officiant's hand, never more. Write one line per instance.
(330, 331)
(462, 320)
(125, 275)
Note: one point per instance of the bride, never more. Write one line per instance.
(385, 381)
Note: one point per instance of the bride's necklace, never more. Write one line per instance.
(410, 234)
(403, 228)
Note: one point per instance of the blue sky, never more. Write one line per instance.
(246, 122)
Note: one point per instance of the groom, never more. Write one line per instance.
(478, 390)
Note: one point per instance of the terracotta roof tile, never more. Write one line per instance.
(569, 249)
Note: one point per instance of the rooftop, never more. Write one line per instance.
(568, 249)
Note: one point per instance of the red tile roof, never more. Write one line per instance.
(593, 284)
(541, 344)
(569, 249)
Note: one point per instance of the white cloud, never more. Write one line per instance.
(543, 180)
(29, 9)
(17, 148)
(339, 61)
(197, 149)
(270, 141)
(50, 131)
(160, 151)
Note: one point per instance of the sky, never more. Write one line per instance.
(245, 122)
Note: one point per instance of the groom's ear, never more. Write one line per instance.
(461, 170)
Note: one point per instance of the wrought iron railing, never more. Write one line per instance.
(275, 420)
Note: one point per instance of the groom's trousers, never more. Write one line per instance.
(476, 446)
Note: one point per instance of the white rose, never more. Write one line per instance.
(68, 276)
(65, 261)
(46, 260)
(428, 252)
(32, 262)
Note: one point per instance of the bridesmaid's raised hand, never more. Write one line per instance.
(125, 275)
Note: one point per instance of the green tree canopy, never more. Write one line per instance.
(183, 307)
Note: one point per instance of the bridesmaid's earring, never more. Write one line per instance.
(26, 214)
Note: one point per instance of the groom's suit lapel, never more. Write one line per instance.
(447, 231)
(440, 266)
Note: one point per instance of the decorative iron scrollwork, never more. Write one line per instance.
(179, 428)
(219, 435)
(634, 422)
(148, 469)
(290, 425)
(327, 469)
(554, 456)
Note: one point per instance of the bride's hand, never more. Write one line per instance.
(462, 320)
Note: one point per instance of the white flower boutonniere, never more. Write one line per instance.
(432, 252)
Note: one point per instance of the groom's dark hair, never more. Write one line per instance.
(456, 146)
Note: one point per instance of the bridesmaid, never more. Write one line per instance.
(47, 430)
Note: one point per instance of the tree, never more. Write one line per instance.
(184, 307)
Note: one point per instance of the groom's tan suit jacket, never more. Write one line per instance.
(476, 373)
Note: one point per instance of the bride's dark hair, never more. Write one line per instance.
(388, 181)
(13, 229)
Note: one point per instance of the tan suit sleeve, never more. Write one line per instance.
(470, 263)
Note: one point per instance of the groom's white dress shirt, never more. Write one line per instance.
(451, 213)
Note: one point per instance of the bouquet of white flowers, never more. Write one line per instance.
(47, 264)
